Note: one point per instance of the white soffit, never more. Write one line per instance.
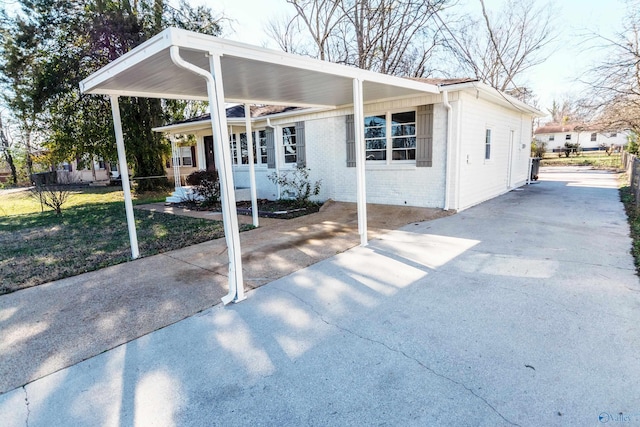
(250, 74)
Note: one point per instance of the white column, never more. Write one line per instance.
(252, 169)
(201, 153)
(176, 163)
(124, 175)
(358, 119)
(227, 192)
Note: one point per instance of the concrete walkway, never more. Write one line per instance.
(50, 327)
(524, 310)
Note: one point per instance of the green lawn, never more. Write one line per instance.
(598, 159)
(633, 216)
(21, 203)
(90, 234)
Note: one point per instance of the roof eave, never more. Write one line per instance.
(496, 94)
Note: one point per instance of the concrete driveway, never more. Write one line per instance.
(523, 310)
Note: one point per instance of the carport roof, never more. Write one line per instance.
(250, 74)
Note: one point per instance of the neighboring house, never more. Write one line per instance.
(419, 152)
(86, 172)
(590, 137)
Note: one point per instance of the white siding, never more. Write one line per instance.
(481, 179)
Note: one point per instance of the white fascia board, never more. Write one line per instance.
(494, 93)
(163, 95)
(284, 104)
(184, 127)
(206, 123)
(349, 107)
(373, 77)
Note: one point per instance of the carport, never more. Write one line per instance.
(179, 64)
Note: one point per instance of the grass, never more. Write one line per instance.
(633, 216)
(38, 247)
(597, 159)
(21, 203)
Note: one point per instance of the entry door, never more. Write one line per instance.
(208, 150)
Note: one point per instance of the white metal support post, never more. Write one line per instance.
(252, 170)
(227, 191)
(358, 119)
(222, 155)
(124, 175)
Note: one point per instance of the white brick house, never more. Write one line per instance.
(370, 137)
(393, 176)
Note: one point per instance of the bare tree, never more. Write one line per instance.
(320, 17)
(394, 37)
(498, 48)
(390, 36)
(615, 81)
(568, 110)
(53, 195)
(285, 31)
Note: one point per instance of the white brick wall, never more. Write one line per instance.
(400, 184)
(406, 184)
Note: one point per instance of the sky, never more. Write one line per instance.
(555, 79)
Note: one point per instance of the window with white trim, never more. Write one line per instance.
(487, 144)
(567, 137)
(552, 138)
(244, 149)
(289, 144)
(260, 145)
(240, 152)
(234, 148)
(185, 156)
(390, 136)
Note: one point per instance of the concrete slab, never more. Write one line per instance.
(440, 323)
(53, 326)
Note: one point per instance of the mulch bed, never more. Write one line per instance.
(283, 209)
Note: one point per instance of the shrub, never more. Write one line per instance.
(632, 145)
(571, 148)
(206, 184)
(52, 194)
(296, 185)
(538, 149)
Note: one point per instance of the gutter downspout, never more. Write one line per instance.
(275, 152)
(447, 175)
(223, 159)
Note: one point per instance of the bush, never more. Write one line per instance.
(296, 185)
(538, 149)
(632, 145)
(571, 148)
(206, 184)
